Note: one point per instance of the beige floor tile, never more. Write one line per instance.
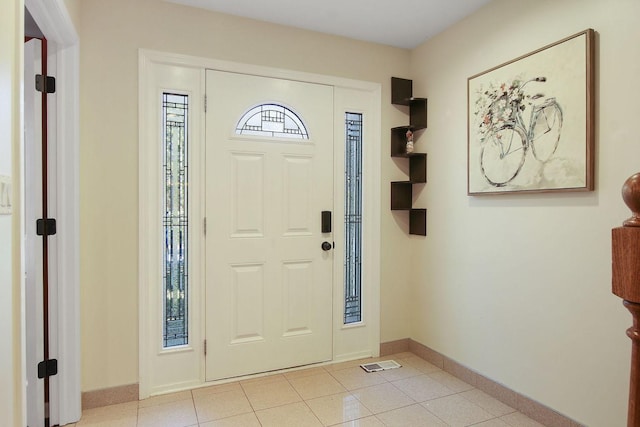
(410, 416)
(400, 373)
(335, 395)
(268, 394)
(382, 398)
(355, 377)
(292, 415)
(220, 388)
(457, 411)
(306, 372)
(518, 419)
(399, 356)
(264, 379)
(488, 403)
(363, 422)
(496, 422)
(420, 364)
(244, 420)
(174, 414)
(338, 408)
(121, 415)
(423, 388)
(450, 381)
(164, 398)
(118, 421)
(112, 409)
(350, 364)
(215, 406)
(322, 384)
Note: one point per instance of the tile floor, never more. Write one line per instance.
(418, 394)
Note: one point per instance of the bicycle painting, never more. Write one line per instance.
(529, 129)
(506, 138)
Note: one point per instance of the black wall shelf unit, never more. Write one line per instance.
(402, 191)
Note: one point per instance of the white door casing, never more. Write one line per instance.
(64, 53)
(33, 243)
(269, 282)
(361, 339)
(163, 369)
(34, 265)
(349, 341)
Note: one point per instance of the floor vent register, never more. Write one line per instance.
(381, 366)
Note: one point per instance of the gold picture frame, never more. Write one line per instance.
(531, 124)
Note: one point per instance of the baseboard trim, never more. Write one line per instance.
(531, 408)
(393, 347)
(109, 396)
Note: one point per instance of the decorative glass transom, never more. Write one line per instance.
(272, 120)
(175, 219)
(353, 219)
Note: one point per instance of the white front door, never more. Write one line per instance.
(268, 279)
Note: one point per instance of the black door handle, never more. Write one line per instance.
(326, 246)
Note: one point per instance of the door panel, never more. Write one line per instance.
(298, 187)
(269, 283)
(248, 193)
(248, 314)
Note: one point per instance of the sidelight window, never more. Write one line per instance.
(353, 219)
(175, 109)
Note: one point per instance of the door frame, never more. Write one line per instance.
(53, 19)
(366, 97)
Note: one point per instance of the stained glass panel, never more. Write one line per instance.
(175, 219)
(272, 120)
(353, 219)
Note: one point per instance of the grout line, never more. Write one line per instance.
(301, 399)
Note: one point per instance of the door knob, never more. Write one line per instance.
(326, 246)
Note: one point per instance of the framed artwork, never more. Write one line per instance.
(531, 121)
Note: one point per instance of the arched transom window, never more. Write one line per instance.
(272, 120)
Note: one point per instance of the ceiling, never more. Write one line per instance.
(400, 23)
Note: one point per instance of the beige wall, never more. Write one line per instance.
(111, 34)
(73, 8)
(518, 287)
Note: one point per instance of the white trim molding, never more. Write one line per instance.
(53, 19)
(168, 369)
(349, 342)
(68, 219)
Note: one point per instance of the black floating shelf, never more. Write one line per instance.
(401, 91)
(402, 191)
(401, 195)
(418, 168)
(399, 141)
(418, 222)
(418, 113)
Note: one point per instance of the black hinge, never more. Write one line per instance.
(45, 83)
(48, 368)
(46, 227)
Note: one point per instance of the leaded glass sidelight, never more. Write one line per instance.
(175, 219)
(353, 219)
(272, 120)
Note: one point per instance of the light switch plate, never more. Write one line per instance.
(5, 195)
